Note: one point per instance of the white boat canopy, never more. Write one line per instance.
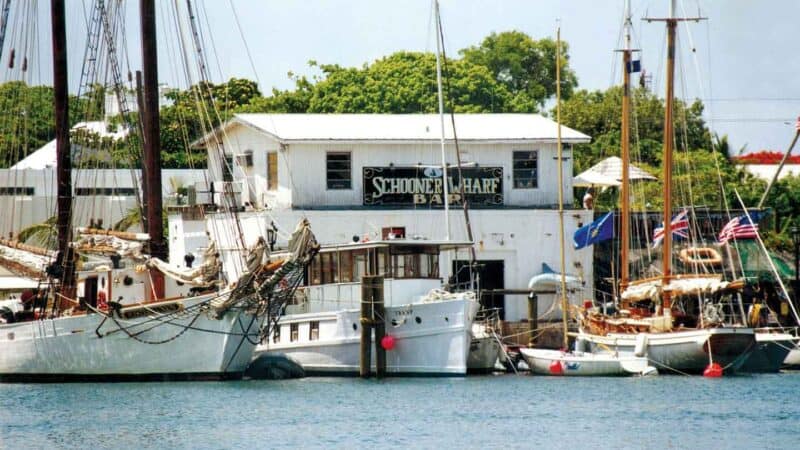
(608, 172)
(652, 289)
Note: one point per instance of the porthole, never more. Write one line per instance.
(418, 320)
(355, 327)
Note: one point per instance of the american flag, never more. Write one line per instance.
(740, 228)
(679, 225)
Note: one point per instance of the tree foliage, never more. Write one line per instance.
(525, 66)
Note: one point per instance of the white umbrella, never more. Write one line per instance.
(608, 172)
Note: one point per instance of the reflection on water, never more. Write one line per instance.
(756, 411)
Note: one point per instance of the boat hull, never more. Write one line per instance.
(182, 342)
(770, 352)
(683, 351)
(792, 360)
(432, 339)
(484, 350)
(541, 361)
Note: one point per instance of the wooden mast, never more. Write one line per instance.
(151, 137)
(625, 155)
(559, 149)
(64, 263)
(666, 260)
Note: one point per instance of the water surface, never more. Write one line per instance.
(759, 411)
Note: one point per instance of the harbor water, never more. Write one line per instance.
(758, 411)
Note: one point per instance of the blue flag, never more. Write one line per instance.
(600, 230)
(634, 66)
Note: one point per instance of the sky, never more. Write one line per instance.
(740, 61)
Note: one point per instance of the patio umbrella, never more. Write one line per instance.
(608, 172)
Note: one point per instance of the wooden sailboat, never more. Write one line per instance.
(654, 335)
(108, 322)
(576, 363)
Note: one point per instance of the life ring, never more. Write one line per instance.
(700, 255)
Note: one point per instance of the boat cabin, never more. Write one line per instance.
(333, 279)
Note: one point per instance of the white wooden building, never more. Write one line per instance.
(28, 190)
(355, 176)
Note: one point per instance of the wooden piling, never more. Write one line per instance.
(366, 327)
(379, 322)
(533, 318)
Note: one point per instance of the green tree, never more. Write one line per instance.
(525, 66)
(404, 82)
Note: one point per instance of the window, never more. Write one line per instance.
(87, 191)
(359, 265)
(276, 334)
(338, 170)
(325, 260)
(415, 262)
(227, 168)
(272, 171)
(346, 266)
(316, 270)
(245, 159)
(313, 331)
(16, 190)
(526, 170)
(294, 332)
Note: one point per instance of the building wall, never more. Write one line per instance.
(523, 239)
(20, 211)
(302, 175)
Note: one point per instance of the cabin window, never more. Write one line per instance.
(313, 331)
(16, 190)
(316, 270)
(377, 261)
(294, 332)
(383, 257)
(337, 169)
(334, 267)
(325, 267)
(415, 262)
(526, 170)
(346, 267)
(359, 265)
(272, 171)
(276, 334)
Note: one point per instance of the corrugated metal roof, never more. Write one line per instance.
(408, 127)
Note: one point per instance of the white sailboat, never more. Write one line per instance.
(576, 363)
(109, 322)
(683, 350)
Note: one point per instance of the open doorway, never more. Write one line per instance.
(491, 274)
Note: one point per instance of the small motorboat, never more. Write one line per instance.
(585, 364)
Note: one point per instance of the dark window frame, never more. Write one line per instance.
(335, 163)
(523, 162)
(105, 191)
(26, 191)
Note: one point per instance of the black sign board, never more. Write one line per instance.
(422, 186)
